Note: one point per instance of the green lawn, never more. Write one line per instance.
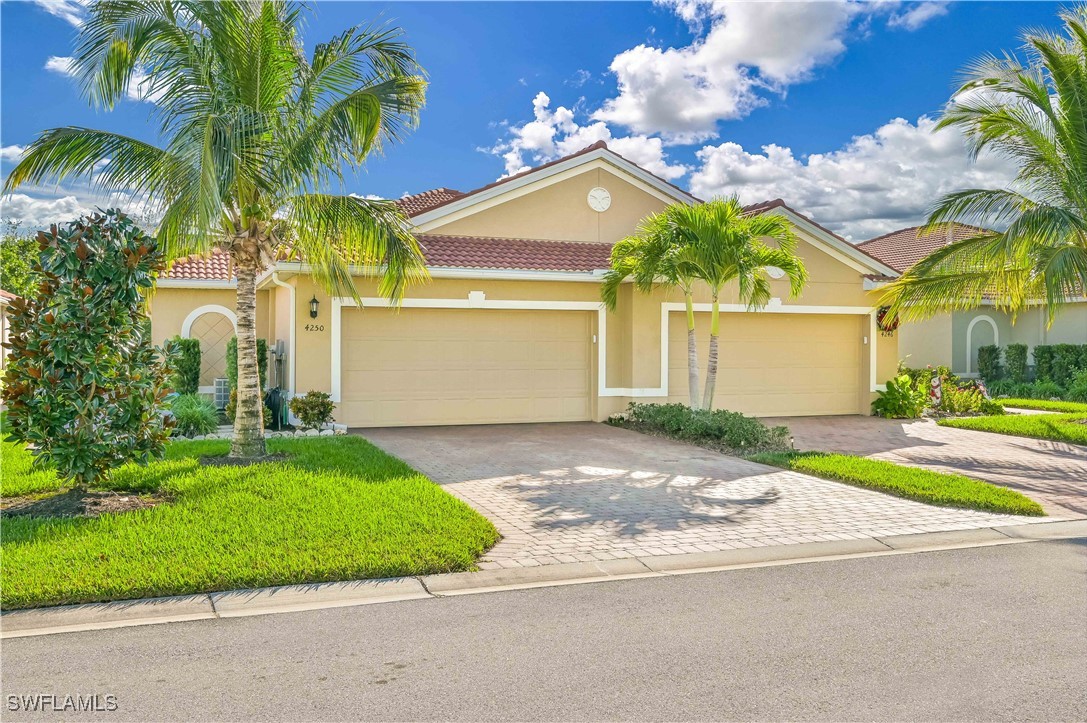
(1059, 427)
(337, 509)
(1045, 405)
(922, 485)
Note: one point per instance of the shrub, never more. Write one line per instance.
(186, 378)
(1043, 363)
(989, 367)
(232, 363)
(968, 399)
(314, 409)
(1077, 390)
(904, 399)
(194, 414)
(1066, 360)
(83, 383)
(1004, 387)
(1015, 361)
(231, 409)
(718, 428)
(1046, 390)
(1022, 391)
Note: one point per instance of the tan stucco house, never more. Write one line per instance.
(511, 327)
(953, 339)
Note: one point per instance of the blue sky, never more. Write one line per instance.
(823, 104)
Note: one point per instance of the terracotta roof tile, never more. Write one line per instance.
(418, 203)
(903, 248)
(215, 267)
(482, 252)
(468, 252)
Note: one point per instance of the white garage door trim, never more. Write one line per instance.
(477, 300)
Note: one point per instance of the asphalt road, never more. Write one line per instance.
(997, 633)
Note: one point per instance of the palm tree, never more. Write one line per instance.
(1035, 114)
(715, 243)
(254, 133)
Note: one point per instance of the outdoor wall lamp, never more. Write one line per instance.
(313, 305)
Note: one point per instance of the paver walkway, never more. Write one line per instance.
(1053, 473)
(581, 492)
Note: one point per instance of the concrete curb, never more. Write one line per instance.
(296, 598)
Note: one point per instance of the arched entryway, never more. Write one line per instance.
(213, 325)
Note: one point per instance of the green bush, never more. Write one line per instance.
(232, 363)
(1043, 363)
(194, 414)
(718, 427)
(1022, 391)
(314, 409)
(231, 409)
(989, 367)
(1004, 387)
(186, 378)
(1046, 390)
(1066, 359)
(904, 399)
(1015, 360)
(83, 383)
(1077, 390)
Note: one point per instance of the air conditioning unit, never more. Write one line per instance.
(222, 393)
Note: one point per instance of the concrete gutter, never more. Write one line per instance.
(296, 598)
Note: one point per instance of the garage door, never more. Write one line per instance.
(777, 364)
(464, 366)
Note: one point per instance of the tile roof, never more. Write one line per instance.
(903, 248)
(483, 252)
(462, 252)
(418, 203)
(214, 267)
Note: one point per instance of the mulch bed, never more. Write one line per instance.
(79, 503)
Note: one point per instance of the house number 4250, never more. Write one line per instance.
(315, 327)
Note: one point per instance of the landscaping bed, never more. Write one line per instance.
(921, 485)
(719, 429)
(337, 508)
(1070, 428)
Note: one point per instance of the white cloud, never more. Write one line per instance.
(580, 78)
(555, 133)
(138, 87)
(917, 14)
(30, 212)
(877, 183)
(73, 11)
(743, 52)
(11, 153)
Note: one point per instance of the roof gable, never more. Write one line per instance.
(903, 248)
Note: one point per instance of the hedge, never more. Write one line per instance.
(186, 378)
(232, 362)
(1059, 363)
(1015, 362)
(989, 367)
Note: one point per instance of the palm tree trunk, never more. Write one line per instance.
(711, 365)
(692, 352)
(249, 420)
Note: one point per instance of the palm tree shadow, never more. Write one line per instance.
(632, 503)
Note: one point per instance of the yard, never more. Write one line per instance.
(1071, 428)
(334, 509)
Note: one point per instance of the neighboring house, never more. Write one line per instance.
(511, 327)
(6, 297)
(954, 339)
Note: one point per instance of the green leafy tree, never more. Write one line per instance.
(186, 379)
(17, 254)
(254, 133)
(1032, 111)
(84, 384)
(717, 244)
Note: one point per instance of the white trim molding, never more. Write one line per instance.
(195, 284)
(290, 335)
(970, 333)
(186, 326)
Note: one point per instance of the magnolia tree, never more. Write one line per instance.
(84, 384)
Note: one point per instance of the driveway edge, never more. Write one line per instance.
(297, 598)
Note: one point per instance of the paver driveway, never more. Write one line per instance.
(1052, 473)
(580, 492)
